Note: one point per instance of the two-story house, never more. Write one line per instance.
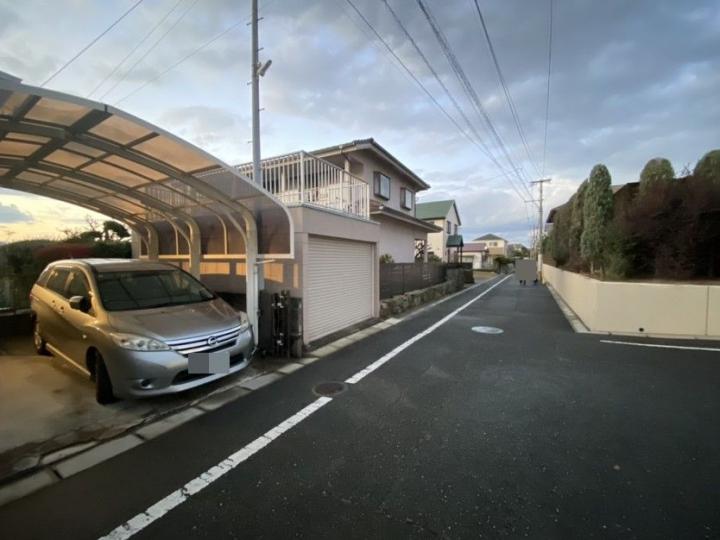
(445, 215)
(393, 188)
(496, 246)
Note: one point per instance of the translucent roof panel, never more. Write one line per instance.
(54, 111)
(96, 156)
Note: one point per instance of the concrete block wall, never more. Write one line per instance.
(660, 309)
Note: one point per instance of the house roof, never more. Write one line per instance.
(488, 237)
(454, 240)
(475, 247)
(382, 210)
(435, 210)
(373, 146)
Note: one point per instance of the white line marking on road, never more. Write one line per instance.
(397, 350)
(657, 345)
(179, 496)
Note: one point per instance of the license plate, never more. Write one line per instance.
(209, 363)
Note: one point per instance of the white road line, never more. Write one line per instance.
(656, 345)
(397, 350)
(179, 496)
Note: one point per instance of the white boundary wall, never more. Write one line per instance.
(660, 309)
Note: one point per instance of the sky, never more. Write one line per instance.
(629, 81)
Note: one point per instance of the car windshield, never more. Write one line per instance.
(148, 289)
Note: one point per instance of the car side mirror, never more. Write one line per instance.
(80, 303)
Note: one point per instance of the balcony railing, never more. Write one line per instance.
(303, 179)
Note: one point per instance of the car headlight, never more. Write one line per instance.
(244, 321)
(134, 342)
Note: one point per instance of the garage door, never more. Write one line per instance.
(339, 285)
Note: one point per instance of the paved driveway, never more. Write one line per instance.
(442, 433)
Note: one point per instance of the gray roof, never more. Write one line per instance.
(488, 237)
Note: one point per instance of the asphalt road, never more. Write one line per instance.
(534, 432)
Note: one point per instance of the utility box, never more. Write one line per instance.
(526, 271)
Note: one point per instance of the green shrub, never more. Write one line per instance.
(597, 213)
(576, 221)
(708, 167)
(386, 258)
(656, 171)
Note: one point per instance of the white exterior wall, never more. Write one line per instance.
(660, 309)
(438, 241)
(397, 240)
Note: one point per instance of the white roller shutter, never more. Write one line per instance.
(339, 285)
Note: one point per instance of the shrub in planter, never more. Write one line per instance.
(708, 167)
(597, 213)
(656, 171)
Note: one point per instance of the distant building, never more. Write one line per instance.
(446, 243)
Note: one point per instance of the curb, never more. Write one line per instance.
(575, 322)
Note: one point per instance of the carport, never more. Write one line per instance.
(103, 159)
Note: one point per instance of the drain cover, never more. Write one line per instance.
(330, 388)
(487, 330)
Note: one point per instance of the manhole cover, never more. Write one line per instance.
(330, 388)
(487, 330)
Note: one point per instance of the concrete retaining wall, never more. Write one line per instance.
(662, 309)
(402, 302)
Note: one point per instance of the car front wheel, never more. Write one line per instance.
(103, 385)
(38, 340)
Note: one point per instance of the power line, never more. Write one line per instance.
(480, 142)
(468, 88)
(86, 47)
(181, 60)
(150, 49)
(408, 70)
(547, 100)
(139, 44)
(508, 97)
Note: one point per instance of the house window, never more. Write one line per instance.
(455, 228)
(448, 227)
(382, 186)
(406, 198)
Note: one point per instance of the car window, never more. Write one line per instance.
(149, 289)
(78, 285)
(42, 280)
(56, 281)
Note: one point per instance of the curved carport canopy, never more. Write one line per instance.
(103, 159)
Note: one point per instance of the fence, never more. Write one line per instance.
(399, 278)
(302, 178)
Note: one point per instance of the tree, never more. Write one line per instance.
(576, 204)
(708, 167)
(597, 213)
(657, 171)
(113, 230)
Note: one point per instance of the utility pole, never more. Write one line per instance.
(541, 223)
(255, 82)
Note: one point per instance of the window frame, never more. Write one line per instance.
(448, 226)
(404, 193)
(378, 178)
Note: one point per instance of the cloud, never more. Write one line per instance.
(10, 213)
(630, 81)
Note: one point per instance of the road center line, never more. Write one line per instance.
(659, 346)
(197, 484)
(397, 350)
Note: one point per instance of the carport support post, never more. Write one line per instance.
(153, 243)
(252, 292)
(195, 248)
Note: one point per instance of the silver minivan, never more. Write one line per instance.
(130, 325)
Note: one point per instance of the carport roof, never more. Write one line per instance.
(103, 159)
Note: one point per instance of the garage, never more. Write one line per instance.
(339, 283)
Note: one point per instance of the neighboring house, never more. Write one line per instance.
(443, 214)
(497, 247)
(477, 254)
(393, 188)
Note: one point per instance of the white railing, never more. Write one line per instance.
(302, 178)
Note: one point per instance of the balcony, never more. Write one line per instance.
(301, 179)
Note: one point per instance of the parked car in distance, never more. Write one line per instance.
(130, 325)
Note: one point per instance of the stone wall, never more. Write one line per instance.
(402, 302)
